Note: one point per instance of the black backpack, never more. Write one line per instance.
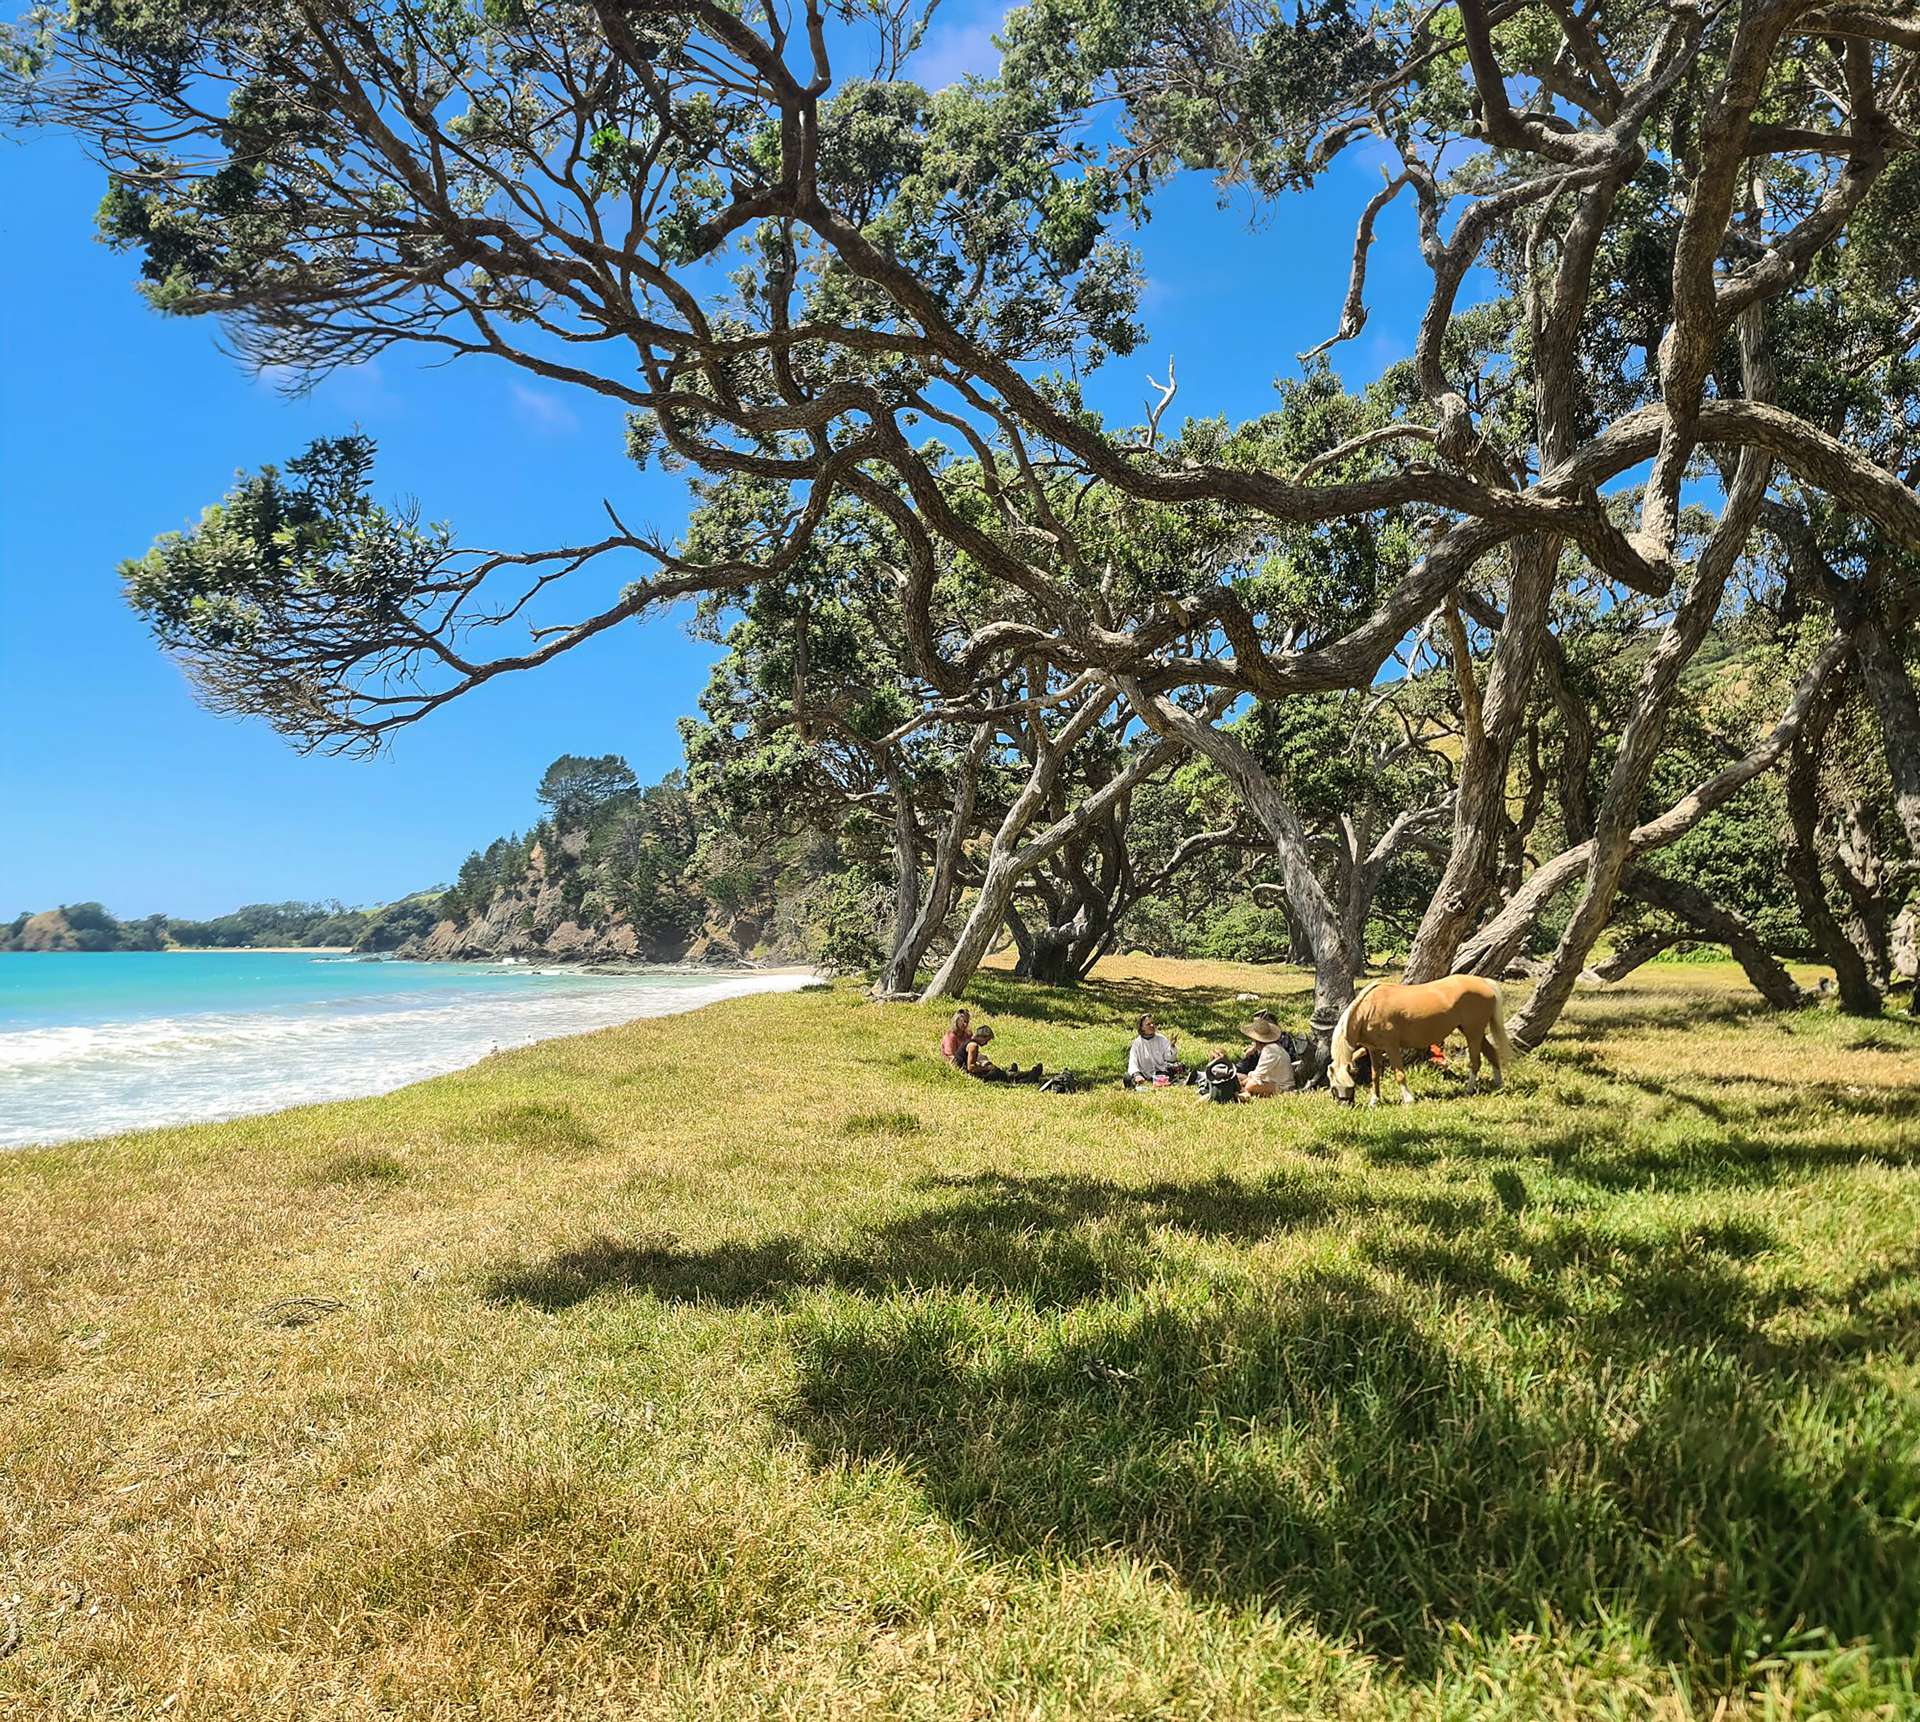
(1221, 1081)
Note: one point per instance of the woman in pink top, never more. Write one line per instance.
(953, 1044)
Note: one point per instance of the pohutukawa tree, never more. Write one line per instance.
(793, 266)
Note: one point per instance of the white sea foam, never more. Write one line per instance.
(62, 1081)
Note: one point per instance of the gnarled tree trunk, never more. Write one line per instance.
(1008, 864)
(1640, 949)
(1492, 725)
(1801, 853)
(920, 913)
(1612, 844)
(1334, 959)
(1494, 947)
(1721, 925)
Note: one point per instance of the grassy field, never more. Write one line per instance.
(583, 1384)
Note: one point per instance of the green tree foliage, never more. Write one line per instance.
(575, 789)
(290, 584)
(390, 927)
(89, 927)
(1671, 254)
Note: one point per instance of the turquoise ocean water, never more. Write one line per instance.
(97, 1042)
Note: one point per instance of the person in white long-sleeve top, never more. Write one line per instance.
(1151, 1054)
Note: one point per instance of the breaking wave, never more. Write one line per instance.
(59, 1081)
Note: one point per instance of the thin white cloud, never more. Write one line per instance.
(955, 47)
(542, 413)
(363, 388)
(277, 379)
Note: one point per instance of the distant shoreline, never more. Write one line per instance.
(581, 965)
(244, 950)
(204, 951)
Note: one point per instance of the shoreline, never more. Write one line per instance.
(576, 965)
(207, 951)
(239, 1078)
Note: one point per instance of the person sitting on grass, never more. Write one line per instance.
(1248, 1059)
(1151, 1055)
(980, 1065)
(953, 1044)
(1272, 1072)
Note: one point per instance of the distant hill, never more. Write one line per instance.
(90, 927)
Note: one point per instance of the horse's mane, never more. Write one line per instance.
(1340, 1053)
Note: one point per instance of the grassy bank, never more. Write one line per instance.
(586, 1383)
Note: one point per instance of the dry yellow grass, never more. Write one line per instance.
(579, 1384)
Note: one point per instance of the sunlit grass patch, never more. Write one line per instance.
(895, 1123)
(365, 1166)
(543, 1126)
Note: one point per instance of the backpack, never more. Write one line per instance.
(1221, 1081)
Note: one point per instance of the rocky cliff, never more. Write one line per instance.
(541, 916)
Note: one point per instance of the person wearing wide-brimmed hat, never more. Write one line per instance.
(1272, 1071)
(1248, 1059)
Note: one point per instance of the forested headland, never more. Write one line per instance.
(90, 927)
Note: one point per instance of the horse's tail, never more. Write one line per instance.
(1497, 1034)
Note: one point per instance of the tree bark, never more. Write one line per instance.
(1801, 853)
(906, 880)
(1612, 844)
(935, 903)
(1334, 960)
(1723, 926)
(1883, 675)
(1906, 950)
(1494, 947)
(1643, 948)
(1006, 866)
(1492, 725)
(1080, 919)
(1877, 622)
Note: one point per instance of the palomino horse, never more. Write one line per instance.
(1387, 1018)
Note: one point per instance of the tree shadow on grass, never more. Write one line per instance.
(1735, 1160)
(1197, 1013)
(1609, 1152)
(1048, 1241)
(1628, 1297)
(1027, 1351)
(1680, 1286)
(1308, 1447)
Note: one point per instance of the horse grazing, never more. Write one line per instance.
(1387, 1018)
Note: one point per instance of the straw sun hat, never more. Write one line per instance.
(1264, 1032)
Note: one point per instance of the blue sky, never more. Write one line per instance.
(116, 424)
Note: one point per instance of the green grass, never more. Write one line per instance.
(577, 1385)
